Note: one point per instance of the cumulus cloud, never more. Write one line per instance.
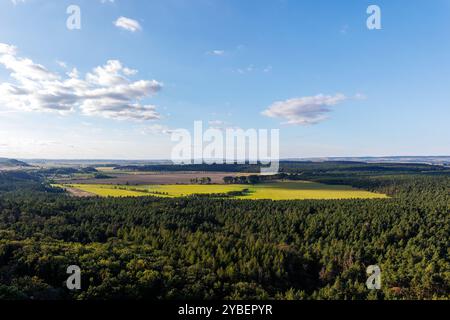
(128, 24)
(7, 49)
(304, 110)
(105, 91)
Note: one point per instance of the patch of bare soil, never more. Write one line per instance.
(158, 178)
(79, 193)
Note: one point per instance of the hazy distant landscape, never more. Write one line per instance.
(443, 160)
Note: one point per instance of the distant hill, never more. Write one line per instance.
(432, 160)
(5, 162)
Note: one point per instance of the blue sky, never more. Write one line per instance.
(310, 68)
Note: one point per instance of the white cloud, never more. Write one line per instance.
(14, 2)
(248, 69)
(267, 69)
(128, 24)
(216, 52)
(129, 72)
(7, 49)
(344, 29)
(220, 125)
(62, 64)
(105, 91)
(360, 96)
(73, 73)
(156, 129)
(216, 123)
(251, 68)
(304, 110)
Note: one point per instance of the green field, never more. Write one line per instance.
(298, 190)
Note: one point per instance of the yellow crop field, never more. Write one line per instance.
(103, 190)
(302, 190)
(298, 190)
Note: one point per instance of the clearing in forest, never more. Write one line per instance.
(298, 190)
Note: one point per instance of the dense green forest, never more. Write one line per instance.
(205, 248)
(309, 167)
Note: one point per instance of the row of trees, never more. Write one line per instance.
(202, 180)
(254, 179)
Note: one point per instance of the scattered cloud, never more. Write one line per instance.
(226, 52)
(251, 68)
(247, 69)
(360, 96)
(344, 29)
(127, 24)
(62, 64)
(216, 52)
(304, 110)
(156, 129)
(105, 91)
(216, 123)
(267, 69)
(15, 2)
(7, 49)
(222, 125)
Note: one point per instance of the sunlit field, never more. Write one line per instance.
(298, 190)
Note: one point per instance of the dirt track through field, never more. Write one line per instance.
(79, 193)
